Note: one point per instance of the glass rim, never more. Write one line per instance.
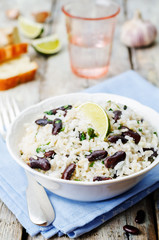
(85, 18)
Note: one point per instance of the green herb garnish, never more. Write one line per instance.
(38, 149)
(138, 121)
(76, 179)
(49, 112)
(47, 143)
(91, 133)
(82, 136)
(155, 133)
(110, 109)
(102, 162)
(109, 101)
(120, 126)
(58, 121)
(125, 107)
(110, 146)
(62, 129)
(91, 164)
(140, 130)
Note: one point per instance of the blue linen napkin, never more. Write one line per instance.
(76, 218)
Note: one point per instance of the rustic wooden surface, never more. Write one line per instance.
(54, 78)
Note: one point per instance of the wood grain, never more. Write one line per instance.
(10, 228)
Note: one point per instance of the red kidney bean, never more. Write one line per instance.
(98, 178)
(136, 137)
(41, 122)
(115, 138)
(67, 174)
(41, 163)
(154, 154)
(112, 161)
(50, 154)
(131, 229)
(57, 126)
(97, 155)
(117, 115)
(140, 217)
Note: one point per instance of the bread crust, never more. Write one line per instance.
(12, 51)
(11, 82)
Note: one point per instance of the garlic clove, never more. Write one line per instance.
(12, 13)
(41, 16)
(138, 32)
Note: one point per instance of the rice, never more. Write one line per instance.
(72, 144)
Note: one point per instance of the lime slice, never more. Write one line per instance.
(29, 28)
(47, 45)
(96, 115)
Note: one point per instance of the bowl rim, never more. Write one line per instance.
(39, 174)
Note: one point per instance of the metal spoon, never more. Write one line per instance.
(40, 210)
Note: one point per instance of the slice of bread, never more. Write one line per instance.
(16, 71)
(12, 51)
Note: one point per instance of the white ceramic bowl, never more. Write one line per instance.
(82, 191)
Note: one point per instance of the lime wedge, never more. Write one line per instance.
(30, 29)
(96, 115)
(47, 45)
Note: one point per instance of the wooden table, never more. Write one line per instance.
(54, 78)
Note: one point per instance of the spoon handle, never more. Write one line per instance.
(40, 209)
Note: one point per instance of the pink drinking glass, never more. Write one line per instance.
(90, 27)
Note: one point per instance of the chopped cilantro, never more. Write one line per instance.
(49, 112)
(90, 151)
(110, 146)
(155, 133)
(125, 107)
(38, 149)
(91, 164)
(120, 126)
(48, 143)
(82, 136)
(138, 121)
(58, 121)
(91, 133)
(102, 162)
(140, 130)
(110, 109)
(76, 179)
(62, 129)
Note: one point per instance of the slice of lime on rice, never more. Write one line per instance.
(96, 115)
(48, 45)
(29, 28)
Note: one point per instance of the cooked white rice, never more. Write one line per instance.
(69, 149)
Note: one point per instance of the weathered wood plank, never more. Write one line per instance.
(146, 60)
(10, 228)
(156, 200)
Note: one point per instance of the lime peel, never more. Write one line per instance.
(29, 28)
(47, 45)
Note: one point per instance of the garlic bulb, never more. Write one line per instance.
(138, 32)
